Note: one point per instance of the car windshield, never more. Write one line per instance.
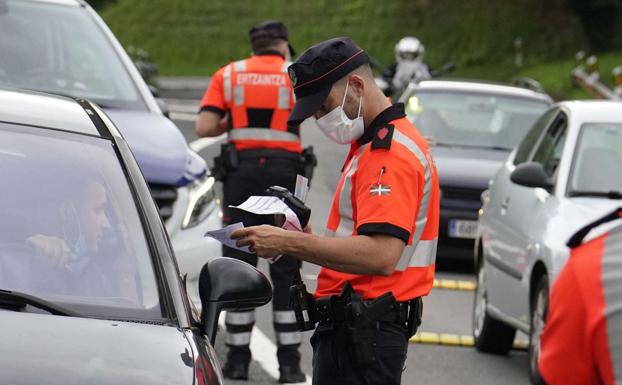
(468, 119)
(69, 228)
(61, 49)
(597, 163)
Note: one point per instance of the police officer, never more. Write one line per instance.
(382, 230)
(251, 100)
(582, 339)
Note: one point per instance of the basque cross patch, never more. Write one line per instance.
(379, 189)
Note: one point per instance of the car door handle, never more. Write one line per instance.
(506, 203)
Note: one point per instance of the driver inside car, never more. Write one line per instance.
(80, 259)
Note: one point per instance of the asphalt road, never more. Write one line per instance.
(446, 311)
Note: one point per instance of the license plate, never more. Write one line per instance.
(462, 229)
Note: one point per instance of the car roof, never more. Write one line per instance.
(44, 110)
(472, 86)
(583, 111)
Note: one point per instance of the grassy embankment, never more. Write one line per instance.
(189, 37)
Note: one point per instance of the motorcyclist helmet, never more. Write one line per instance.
(409, 49)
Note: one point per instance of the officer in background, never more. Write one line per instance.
(380, 241)
(582, 339)
(251, 100)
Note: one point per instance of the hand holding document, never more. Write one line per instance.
(265, 205)
(224, 236)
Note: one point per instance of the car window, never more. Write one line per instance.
(597, 162)
(549, 150)
(61, 49)
(526, 146)
(473, 119)
(71, 232)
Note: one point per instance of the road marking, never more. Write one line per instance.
(263, 351)
(454, 285)
(177, 107)
(427, 338)
(187, 117)
(202, 143)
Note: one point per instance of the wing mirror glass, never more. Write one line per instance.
(531, 174)
(230, 284)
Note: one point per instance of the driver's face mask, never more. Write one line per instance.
(339, 127)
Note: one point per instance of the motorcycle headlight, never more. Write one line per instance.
(200, 198)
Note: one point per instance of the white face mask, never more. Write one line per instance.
(337, 126)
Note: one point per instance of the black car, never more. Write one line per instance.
(90, 292)
(471, 128)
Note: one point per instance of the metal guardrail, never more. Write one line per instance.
(586, 75)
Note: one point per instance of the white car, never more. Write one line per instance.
(64, 47)
(565, 173)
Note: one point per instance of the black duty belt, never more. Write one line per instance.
(333, 309)
(267, 153)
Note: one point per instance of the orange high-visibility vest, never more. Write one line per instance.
(389, 185)
(258, 95)
(582, 338)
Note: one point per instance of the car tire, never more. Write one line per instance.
(489, 334)
(539, 310)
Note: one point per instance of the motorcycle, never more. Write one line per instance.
(385, 79)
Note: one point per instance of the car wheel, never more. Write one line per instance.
(490, 335)
(539, 309)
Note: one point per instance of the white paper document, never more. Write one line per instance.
(270, 205)
(224, 236)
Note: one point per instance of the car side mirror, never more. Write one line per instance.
(531, 174)
(229, 284)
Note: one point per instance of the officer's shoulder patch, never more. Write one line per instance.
(383, 137)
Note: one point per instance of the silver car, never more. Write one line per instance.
(64, 47)
(565, 173)
(472, 127)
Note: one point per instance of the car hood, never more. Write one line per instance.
(158, 146)
(49, 350)
(467, 167)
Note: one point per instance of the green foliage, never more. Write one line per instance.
(189, 37)
(600, 20)
(99, 4)
(555, 76)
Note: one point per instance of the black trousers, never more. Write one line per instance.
(253, 177)
(332, 363)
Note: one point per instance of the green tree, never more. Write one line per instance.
(600, 19)
(100, 4)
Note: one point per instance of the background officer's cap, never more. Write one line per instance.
(271, 29)
(317, 69)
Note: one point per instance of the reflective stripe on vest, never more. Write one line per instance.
(284, 98)
(420, 253)
(422, 215)
(285, 93)
(612, 290)
(226, 80)
(262, 134)
(238, 95)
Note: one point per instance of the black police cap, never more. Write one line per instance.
(317, 69)
(271, 29)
